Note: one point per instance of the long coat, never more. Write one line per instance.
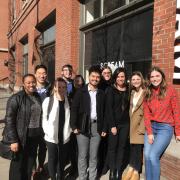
(137, 128)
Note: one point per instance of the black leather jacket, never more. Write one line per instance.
(17, 117)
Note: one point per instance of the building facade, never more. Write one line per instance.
(130, 33)
(3, 43)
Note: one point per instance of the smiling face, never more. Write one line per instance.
(60, 88)
(120, 80)
(66, 73)
(106, 73)
(94, 79)
(29, 84)
(136, 81)
(155, 78)
(41, 76)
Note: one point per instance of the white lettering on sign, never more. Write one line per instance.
(113, 64)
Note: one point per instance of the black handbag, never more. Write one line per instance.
(5, 151)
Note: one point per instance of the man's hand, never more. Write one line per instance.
(103, 134)
(76, 131)
(114, 130)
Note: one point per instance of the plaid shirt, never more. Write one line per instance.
(166, 110)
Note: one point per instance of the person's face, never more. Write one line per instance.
(120, 80)
(94, 79)
(29, 84)
(106, 74)
(78, 83)
(41, 76)
(60, 88)
(136, 81)
(155, 78)
(66, 73)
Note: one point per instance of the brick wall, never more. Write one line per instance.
(164, 36)
(67, 32)
(3, 39)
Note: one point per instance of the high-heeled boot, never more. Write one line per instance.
(135, 176)
(128, 175)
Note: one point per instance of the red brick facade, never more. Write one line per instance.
(3, 41)
(67, 32)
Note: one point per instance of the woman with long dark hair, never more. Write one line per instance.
(137, 128)
(161, 117)
(117, 119)
(56, 116)
(23, 128)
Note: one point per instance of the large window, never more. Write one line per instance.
(124, 43)
(48, 51)
(25, 59)
(99, 8)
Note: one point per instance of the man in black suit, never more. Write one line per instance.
(87, 122)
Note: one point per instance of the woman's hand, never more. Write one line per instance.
(177, 138)
(103, 134)
(114, 130)
(14, 147)
(76, 131)
(150, 138)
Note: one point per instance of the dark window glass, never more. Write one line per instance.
(127, 43)
(92, 8)
(110, 5)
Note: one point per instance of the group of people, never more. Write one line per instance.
(98, 122)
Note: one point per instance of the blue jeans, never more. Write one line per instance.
(162, 136)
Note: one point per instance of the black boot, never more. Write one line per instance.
(112, 174)
(118, 175)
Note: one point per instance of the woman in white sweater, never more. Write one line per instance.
(56, 114)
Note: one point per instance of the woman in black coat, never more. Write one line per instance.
(117, 120)
(23, 128)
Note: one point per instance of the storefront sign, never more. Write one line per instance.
(176, 75)
(113, 64)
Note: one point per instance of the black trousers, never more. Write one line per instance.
(21, 167)
(57, 155)
(136, 156)
(116, 148)
(41, 151)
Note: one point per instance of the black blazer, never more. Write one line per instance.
(81, 108)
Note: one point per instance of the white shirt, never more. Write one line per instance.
(93, 103)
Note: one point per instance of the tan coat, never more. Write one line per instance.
(137, 128)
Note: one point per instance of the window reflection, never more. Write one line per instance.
(92, 8)
(110, 5)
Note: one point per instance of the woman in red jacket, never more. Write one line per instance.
(161, 117)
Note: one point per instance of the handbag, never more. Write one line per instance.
(5, 151)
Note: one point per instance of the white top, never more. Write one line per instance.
(93, 103)
(136, 99)
(50, 125)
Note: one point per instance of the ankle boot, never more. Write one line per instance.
(135, 176)
(112, 174)
(128, 175)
